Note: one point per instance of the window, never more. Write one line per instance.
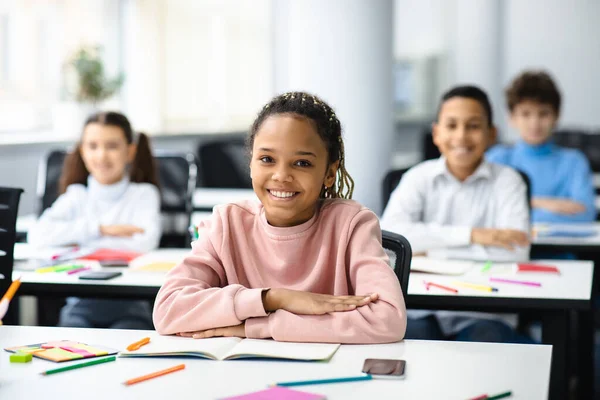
(190, 66)
(207, 65)
(36, 38)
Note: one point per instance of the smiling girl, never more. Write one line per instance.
(305, 264)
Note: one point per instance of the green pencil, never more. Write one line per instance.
(81, 365)
(486, 266)
(500, 396)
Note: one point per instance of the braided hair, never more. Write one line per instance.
(328, 127)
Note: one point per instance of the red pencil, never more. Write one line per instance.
(448, 288)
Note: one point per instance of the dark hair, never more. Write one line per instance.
(143, 168)
(327, 125)
(469, 92)
(536, 86)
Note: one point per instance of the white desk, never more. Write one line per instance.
(573, 284)
(434, 370)
(591, 243)
(206, 198)
(132, 284)
(552, 302)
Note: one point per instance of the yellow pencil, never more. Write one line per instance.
(475, 286)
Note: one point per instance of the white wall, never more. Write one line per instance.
(562, 37)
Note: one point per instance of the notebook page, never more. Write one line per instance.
(215, 348)
(283, 350)
(445, 267)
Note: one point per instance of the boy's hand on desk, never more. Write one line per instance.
(307, 303)
(228, 331)
(120, 230)
(559, 206)
(507, 238)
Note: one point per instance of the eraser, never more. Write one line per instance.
(20, 357)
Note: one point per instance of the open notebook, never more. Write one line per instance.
(233, 348)
(444, 267)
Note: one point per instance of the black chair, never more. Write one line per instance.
(429, 149)
(400, 253)
(390, 182)
(586, 142)
(9, 207)
(224, 164)
(49, 171)
(177, 174)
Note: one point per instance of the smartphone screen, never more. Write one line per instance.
(380, 368)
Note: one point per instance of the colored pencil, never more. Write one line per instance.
(437, 285)
(516, 282)
(80, 365)
(482, 397)
(486, 266)
(475, 286)
(154, 375)
(78, 270)
(325, 381)
(138, 344)
(12, 289)
(500, 396)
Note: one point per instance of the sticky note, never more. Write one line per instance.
(58, 355)
(20, 357)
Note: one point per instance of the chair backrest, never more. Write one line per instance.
(429, 149)
(400, 253)
(586, 142)
(49, 171)
(390, 182)
(527, 182)
(224, 164)
(9, 207)
(177, 173)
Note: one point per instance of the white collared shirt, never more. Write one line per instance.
(436, 212)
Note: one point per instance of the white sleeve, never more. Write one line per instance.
(147, 217)
(63, 223)
(404, 215)
(511, 211)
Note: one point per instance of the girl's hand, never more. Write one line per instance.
(228, 331)
(507, 238)
(120, 230)
(299, 302)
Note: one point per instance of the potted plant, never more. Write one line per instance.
(85, 86)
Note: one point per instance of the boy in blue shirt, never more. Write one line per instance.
(561, 180)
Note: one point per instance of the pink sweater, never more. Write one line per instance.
(239, 255)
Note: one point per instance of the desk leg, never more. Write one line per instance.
(585, 347)
(555, 331)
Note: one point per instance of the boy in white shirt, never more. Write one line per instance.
(460, 206)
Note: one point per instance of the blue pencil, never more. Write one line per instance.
(323, 381)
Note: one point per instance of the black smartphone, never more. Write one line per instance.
(114, 263)
(380, 368)
(100, 275)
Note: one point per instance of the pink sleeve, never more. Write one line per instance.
(196, 295)
(383, 321)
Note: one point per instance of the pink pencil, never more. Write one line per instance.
(74, 271)
(527, 283)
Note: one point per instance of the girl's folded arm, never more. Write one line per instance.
(196, 295)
